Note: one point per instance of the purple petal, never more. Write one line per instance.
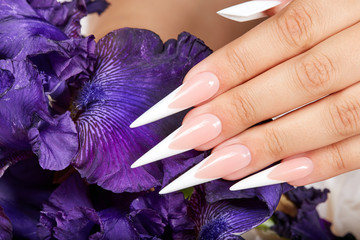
(6, 81)
(224, 213)
(307, 223)
(68, 214)
(134, 70)
(221, 219)
(20, 105)
(55, 145)
(25, 120)
(21, 195)
(172, 210)
(116, 224)
(5, 226)
(97, 6)
(66, 16)
(307, 198)
(23, 31)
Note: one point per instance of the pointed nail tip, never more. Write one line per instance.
(165, 191)
(136, 164)
(236, 188)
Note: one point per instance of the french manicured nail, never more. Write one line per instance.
(198, 89)
(224, 162)
(285, 171)
(217, 165)
(248, 10)
(193, 133)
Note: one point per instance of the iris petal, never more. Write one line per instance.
(24, 113)
(5, 226)
(134, 70)
(224, 213)
(6, 81)
(68, 214)
(66, 16)
(49, 141)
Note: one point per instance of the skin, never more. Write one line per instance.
(308, 50)
(169, 18)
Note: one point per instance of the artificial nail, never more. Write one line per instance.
(219, 164)
(198, 89)
(248, 10)
(193, 133)
(224, 162)
(285, 171)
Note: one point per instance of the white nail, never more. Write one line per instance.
(186, 180)
(248, 10)
(159, 151)
(158, 111)
(257, 180)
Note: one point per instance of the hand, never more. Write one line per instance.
(310, 50)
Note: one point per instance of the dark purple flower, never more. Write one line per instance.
(68, 214)
(307, 223)
(5, 226)
(133, 71)
(97, 6)
(26, 123)
(23, 189)
(219, 213)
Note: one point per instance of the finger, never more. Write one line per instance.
(300, 26)
(328, 67)
(332, 160)
(310, 167)
(303, 24)
(320, 124)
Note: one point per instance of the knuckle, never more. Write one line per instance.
(238, 61)
(345, 116)
(314, 73)
(337, 158)
(274, 144)
(295, 25)
(242, 108)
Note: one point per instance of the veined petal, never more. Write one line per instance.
(225, 213)
(134, 70)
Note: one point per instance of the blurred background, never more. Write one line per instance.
(169, 18)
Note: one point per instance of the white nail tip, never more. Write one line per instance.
(186, 180)
(159, 151)
(248, 10)
(158, 111)
(257, 180)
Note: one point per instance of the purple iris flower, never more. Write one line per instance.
(66, 103)
(307, 223)
(74, 209)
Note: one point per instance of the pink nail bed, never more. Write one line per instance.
(198, 89)
(197, 131)
(292, 169)
(224, 162)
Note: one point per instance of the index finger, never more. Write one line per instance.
(298, 27)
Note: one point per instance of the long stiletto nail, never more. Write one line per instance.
(198, 89)
(217, 165)
(285, 171)
(248, 10)
(195, 132)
